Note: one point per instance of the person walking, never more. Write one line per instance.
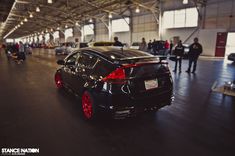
(117, 42)
(195, 50)
(179, 52)
(143, 45)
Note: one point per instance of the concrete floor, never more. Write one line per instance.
(34, 114)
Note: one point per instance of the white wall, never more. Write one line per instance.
(207, 37)
(123, 37)
(183, 34)
(144, 26)
(101, 32)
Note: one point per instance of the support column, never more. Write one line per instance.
(77, 34)
(61, 36)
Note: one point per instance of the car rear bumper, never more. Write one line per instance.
(122, 106)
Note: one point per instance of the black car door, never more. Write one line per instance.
(84, 67)
(69, 68)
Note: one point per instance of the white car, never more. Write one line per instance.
(135, 45)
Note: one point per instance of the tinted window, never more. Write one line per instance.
(72, 58)
(87, 60)
(125, 54)
(82, 45)
(103, 68)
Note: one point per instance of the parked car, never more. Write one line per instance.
(66, 48)
(120, 82)
(231, 57)
(186, 50)
(135, 45)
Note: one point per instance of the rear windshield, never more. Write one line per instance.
(125, 54)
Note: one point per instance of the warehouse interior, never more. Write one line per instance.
(35, 114)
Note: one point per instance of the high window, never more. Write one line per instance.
(88, 29)
(180, 18)
(120, 25)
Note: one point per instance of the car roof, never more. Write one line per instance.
(117, 53)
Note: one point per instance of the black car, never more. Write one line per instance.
(120, 82)
(231, 57)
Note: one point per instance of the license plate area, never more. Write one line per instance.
(151, 84)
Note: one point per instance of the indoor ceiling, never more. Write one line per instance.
(63, 13)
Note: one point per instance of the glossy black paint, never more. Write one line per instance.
(85, 70)
(231, 57)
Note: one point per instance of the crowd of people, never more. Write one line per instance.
(176, 52)
(17, 51)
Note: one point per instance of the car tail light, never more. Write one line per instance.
(119, 75)
(116, 75)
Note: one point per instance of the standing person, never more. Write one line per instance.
(171, 47)
(117, 43)
(21, 54)
(150, 45)
(16, 48)
(154, 46)
(194, 51)
(179, 52)
(143, 45)
(167, 47)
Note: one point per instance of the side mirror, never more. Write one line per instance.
(60, 62)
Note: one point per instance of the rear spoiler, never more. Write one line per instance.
(160, 57)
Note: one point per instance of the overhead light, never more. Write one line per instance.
(58, 28)
(110, 15)
(185, 1)
(31, 15)
(37, 9)
(25, 19)
(49, 1)
(76, 24)
(137, 10)
(90, 20)
(21, 22)
(66, 26)
(18, 25)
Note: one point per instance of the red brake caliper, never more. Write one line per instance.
(58, 80)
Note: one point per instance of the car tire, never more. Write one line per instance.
(88, 106)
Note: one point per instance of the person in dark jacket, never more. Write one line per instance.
(154, 47)
(171, 47)
(150, 45)
(179, 53)
(194, 51)
(117, 43)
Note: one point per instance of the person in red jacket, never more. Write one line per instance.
(167, 47)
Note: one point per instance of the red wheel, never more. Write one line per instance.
(87, 105)
(58, 80)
